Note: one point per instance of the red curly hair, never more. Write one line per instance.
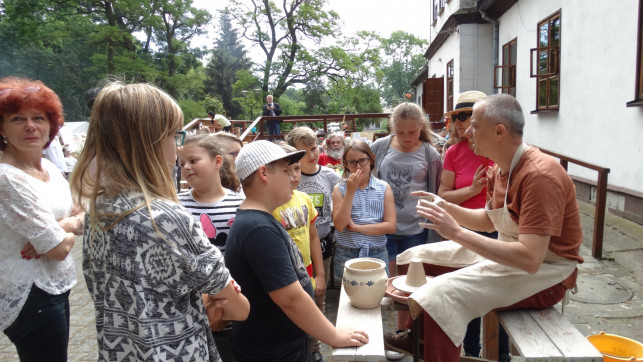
(18, 93)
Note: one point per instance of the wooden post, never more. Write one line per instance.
(599, 216)
(490, 338)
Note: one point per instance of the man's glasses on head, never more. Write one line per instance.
(361, 161)
(462, 116)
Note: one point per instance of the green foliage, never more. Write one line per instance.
(402, 59)
(191, 110)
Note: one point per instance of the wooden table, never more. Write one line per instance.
(369, 320)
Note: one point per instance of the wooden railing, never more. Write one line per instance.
(601, 198)
(261, 130)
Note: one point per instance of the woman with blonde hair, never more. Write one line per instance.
(146, 261)
(408, 162)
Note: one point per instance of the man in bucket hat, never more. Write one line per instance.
(264, 260)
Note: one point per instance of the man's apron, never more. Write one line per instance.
(455, 298)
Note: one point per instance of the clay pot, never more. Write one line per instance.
(365, 282)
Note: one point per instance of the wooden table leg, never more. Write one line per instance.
(417, 326)
(490, 337)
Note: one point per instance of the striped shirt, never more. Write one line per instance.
(368, 208)
(216, 218)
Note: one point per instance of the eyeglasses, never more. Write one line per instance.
(30, 89)
(361, 161)
(462, 116)
(179, 138)
(234, 154)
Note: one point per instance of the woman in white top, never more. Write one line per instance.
(36, 226)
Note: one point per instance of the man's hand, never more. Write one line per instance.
(432, 207)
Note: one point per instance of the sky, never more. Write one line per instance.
(382, 16)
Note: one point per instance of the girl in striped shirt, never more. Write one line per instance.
(363, 209)
(203, 166)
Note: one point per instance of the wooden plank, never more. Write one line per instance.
(369, 320)
(569, 341)
(530, 340)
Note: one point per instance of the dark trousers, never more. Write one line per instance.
(303, 354)
(41, 331)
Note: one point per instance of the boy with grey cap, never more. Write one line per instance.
(263, 259)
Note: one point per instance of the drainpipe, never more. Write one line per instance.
(496, 31)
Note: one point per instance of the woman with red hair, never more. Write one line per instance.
(36, 224)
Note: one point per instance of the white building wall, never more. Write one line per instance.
(597, 79)
(476, 58)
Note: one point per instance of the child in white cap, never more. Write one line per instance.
(262, 258)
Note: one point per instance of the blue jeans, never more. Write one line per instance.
(343, 254)
(273, 128)
(41, 331)
(396, 244)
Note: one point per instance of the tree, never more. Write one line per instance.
(174, 24)
(289, 36)
(402, 57)
(228, 57)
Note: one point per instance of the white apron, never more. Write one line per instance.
(455, 298)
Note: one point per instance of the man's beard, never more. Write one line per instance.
(335, 153)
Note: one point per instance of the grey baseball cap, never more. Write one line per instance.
(258, 153)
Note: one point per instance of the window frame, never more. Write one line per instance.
(508, 69)
(553, 60)
(449, 75)
(638, 88)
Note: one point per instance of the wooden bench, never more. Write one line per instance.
(369, 320)
(538, 335)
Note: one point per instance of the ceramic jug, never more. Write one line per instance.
(365, 282)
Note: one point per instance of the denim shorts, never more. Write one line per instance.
(343, 254)
(396, 244)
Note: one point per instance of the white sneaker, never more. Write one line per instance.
(393, 355)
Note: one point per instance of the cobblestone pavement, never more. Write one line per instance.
(609, 297)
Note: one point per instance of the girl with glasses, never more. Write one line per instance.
(363, 209)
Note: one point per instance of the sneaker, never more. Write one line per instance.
(504, 358)
(393, 356)
(401, 341)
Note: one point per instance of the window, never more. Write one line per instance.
(638, 96)
(504, 78)
(450, 85)
(545, 63)
(435, 10)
